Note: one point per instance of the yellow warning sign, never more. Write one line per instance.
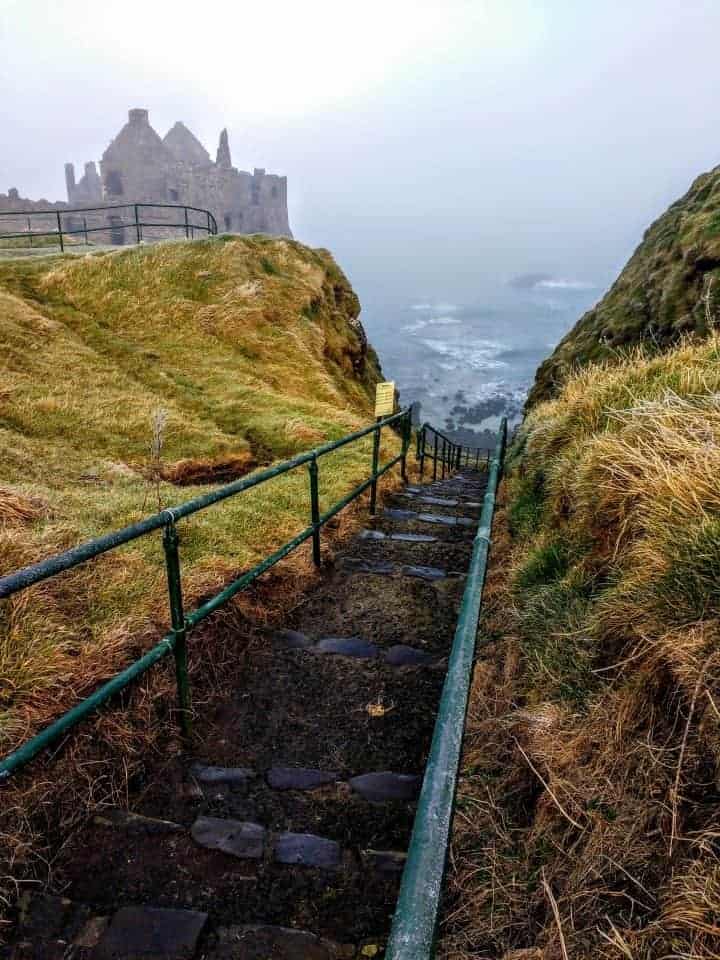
(385, 399)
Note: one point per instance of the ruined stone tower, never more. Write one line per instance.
(139, 166)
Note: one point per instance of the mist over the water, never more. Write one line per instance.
(468, 364)
(438, 150)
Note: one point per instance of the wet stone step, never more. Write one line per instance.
(299, 778)
(446, 520)
(400, 537)
(398, 655)
(436, 501)
(265, 942)
(151, 933)
(413, 537)
(307, 850)
(385, 786)
(394, 514)
(235, 837)
(223, 780)
(425, 573)
(347, 647)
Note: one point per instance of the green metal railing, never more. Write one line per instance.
(447, 455)
(67, 222)
(416, 914)
(182, 623)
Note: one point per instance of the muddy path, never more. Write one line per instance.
(284, 834)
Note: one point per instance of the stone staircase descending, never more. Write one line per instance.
(284, 837)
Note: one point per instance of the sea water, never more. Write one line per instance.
(466, 365)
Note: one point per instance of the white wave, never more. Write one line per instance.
(431, 322)
(565, 285)
(415, 326)
(444, 321)
(476, 354)
(440, 307)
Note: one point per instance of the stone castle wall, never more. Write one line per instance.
(141, 167)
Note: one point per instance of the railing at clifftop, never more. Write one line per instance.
(45, 228)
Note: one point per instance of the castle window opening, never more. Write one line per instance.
(228, 221)
(113, 183)
(274, 191)
(174, 196)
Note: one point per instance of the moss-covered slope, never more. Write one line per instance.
(668, 288)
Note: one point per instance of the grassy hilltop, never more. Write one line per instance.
(668, 289)
(227, 354)
(591, 791)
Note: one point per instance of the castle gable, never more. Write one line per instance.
(185, 146)
(138, 141)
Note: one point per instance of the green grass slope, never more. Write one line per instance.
(224, 354)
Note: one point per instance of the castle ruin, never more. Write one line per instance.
(139, 166)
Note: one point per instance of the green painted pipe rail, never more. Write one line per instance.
(175, 641)
(448, 454)
(416, 914)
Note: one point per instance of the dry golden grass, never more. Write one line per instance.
(589, 804)
(131, 380)
(245, 365)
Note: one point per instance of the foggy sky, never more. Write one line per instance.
(436, 148)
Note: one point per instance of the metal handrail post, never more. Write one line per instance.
(137, 224)
(315, 510)
(406, 427)
(179, 626)
(59, 225)
(375, 459)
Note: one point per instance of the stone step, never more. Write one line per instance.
(385, 568)
(398, 537)
(445, 519)
(398, 655)
(435, 501)
(251, 841)
(137, 933)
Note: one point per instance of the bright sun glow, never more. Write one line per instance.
(281, 58)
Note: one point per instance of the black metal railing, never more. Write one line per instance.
(447, 455)
(116, 221)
